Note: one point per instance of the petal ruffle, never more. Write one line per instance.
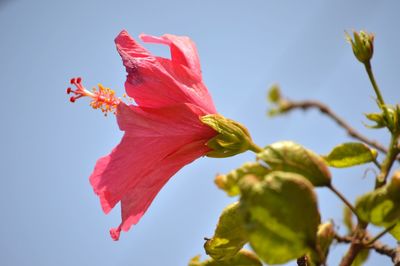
(183, 50)
(151, 135)
(157, 82)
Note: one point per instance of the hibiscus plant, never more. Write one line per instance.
(277, 211)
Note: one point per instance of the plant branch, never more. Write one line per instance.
(356, 245)
(384, 232)
(345, 201)
(379, 247)
(308, 104)
(377, 164)
(360, 233)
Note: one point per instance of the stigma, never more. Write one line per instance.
(102, 98)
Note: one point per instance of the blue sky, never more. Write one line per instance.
(50, 215)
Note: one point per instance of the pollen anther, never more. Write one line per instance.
(102, 98)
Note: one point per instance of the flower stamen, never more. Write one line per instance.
(102, 98)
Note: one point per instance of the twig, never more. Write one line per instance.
(356, 246)
(305, 105)
(384, 232)
(379, 247)
(378, 165)
(345, 201)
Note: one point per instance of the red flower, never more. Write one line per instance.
(163, 132)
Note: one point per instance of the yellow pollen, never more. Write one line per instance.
(102, 98)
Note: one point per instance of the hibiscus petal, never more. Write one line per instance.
(147, 80)
(136, 201)
(158, 82)
(183, 50)
(175, 120)
(150, 136)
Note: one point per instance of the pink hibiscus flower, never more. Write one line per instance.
(163, 132)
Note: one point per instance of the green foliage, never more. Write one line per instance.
(395, 232)
(280, 214)
(348, 219)
(350, 154)
(361, 257)
(242, 258)
(291, 157)
(381, 207)
(277, 213)
(229, 236)
(229, 182)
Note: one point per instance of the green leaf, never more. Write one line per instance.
(395, 232)
(291, 157)
(230, 235)
(348, 219)
(242, 258)
(381, 207)
(350, 154)
(361, 257)
(280, 214)
(229, 182)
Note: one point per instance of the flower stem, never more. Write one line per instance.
(255, 148)
(384, 232)
(375, 161)
(371, 76)
(345, 201)
(387, 164)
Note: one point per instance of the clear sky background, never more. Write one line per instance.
(49, 213)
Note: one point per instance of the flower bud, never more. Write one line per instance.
(229, 182)
(363, 45)
(233, 137)
(325, 236)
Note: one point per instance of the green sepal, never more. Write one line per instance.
(350, 154)
(229, 182)
(291, 157)
(229, 236)
(242, 258)
(232, 138)
(280, 215)
(392, 118)
(378, 118)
